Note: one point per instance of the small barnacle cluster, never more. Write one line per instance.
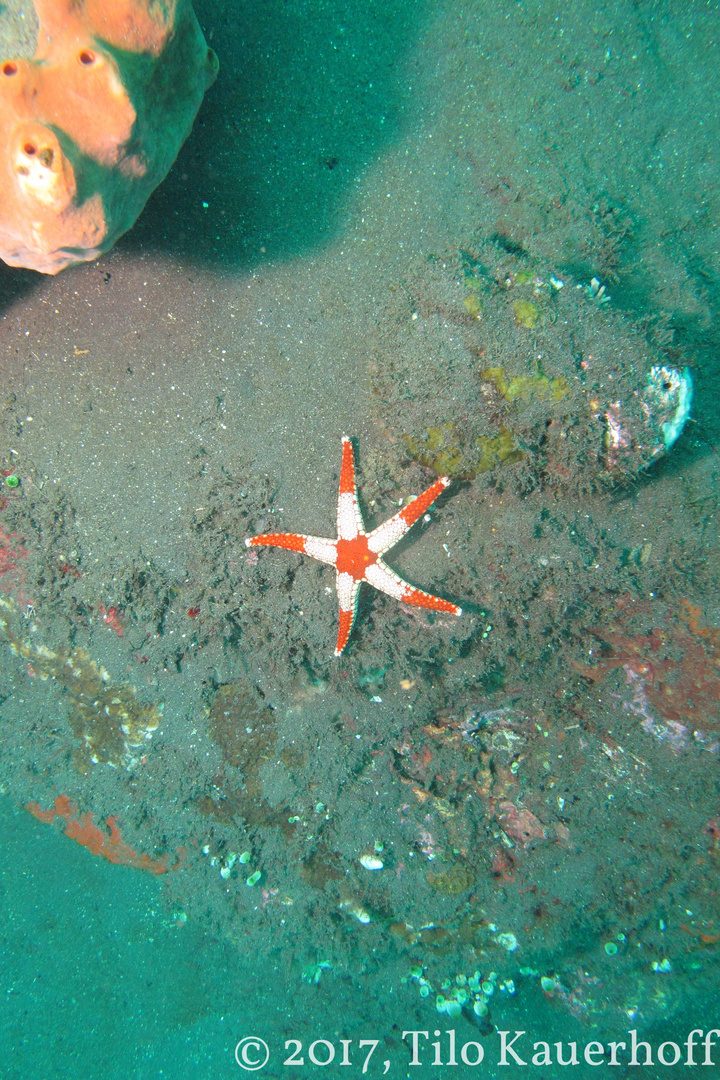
(596, 292)
(465, 994)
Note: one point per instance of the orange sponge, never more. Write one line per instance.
(92, 124)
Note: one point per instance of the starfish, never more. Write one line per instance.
(357, 555)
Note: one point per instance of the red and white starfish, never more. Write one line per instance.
(357, 555)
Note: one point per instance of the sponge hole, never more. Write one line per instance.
(86, 57)
(9, 68)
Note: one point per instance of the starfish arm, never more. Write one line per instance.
(317, 547)
(386, 580)
(387, 535)
(349, 518)
(347, 591)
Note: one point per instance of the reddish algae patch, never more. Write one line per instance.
(11, 549)
(678, 663)
(110, 845)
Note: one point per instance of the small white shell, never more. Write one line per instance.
(352, 907)
(371, 862)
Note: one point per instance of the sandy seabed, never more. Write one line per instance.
(348, 244)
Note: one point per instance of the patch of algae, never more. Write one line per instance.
(444, 450)
(243, 726)
(527, 388)
(473, 305)
(530, 308)
(450, 882)
(109, 720)
(526, 312)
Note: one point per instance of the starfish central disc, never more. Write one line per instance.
(354, 557)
